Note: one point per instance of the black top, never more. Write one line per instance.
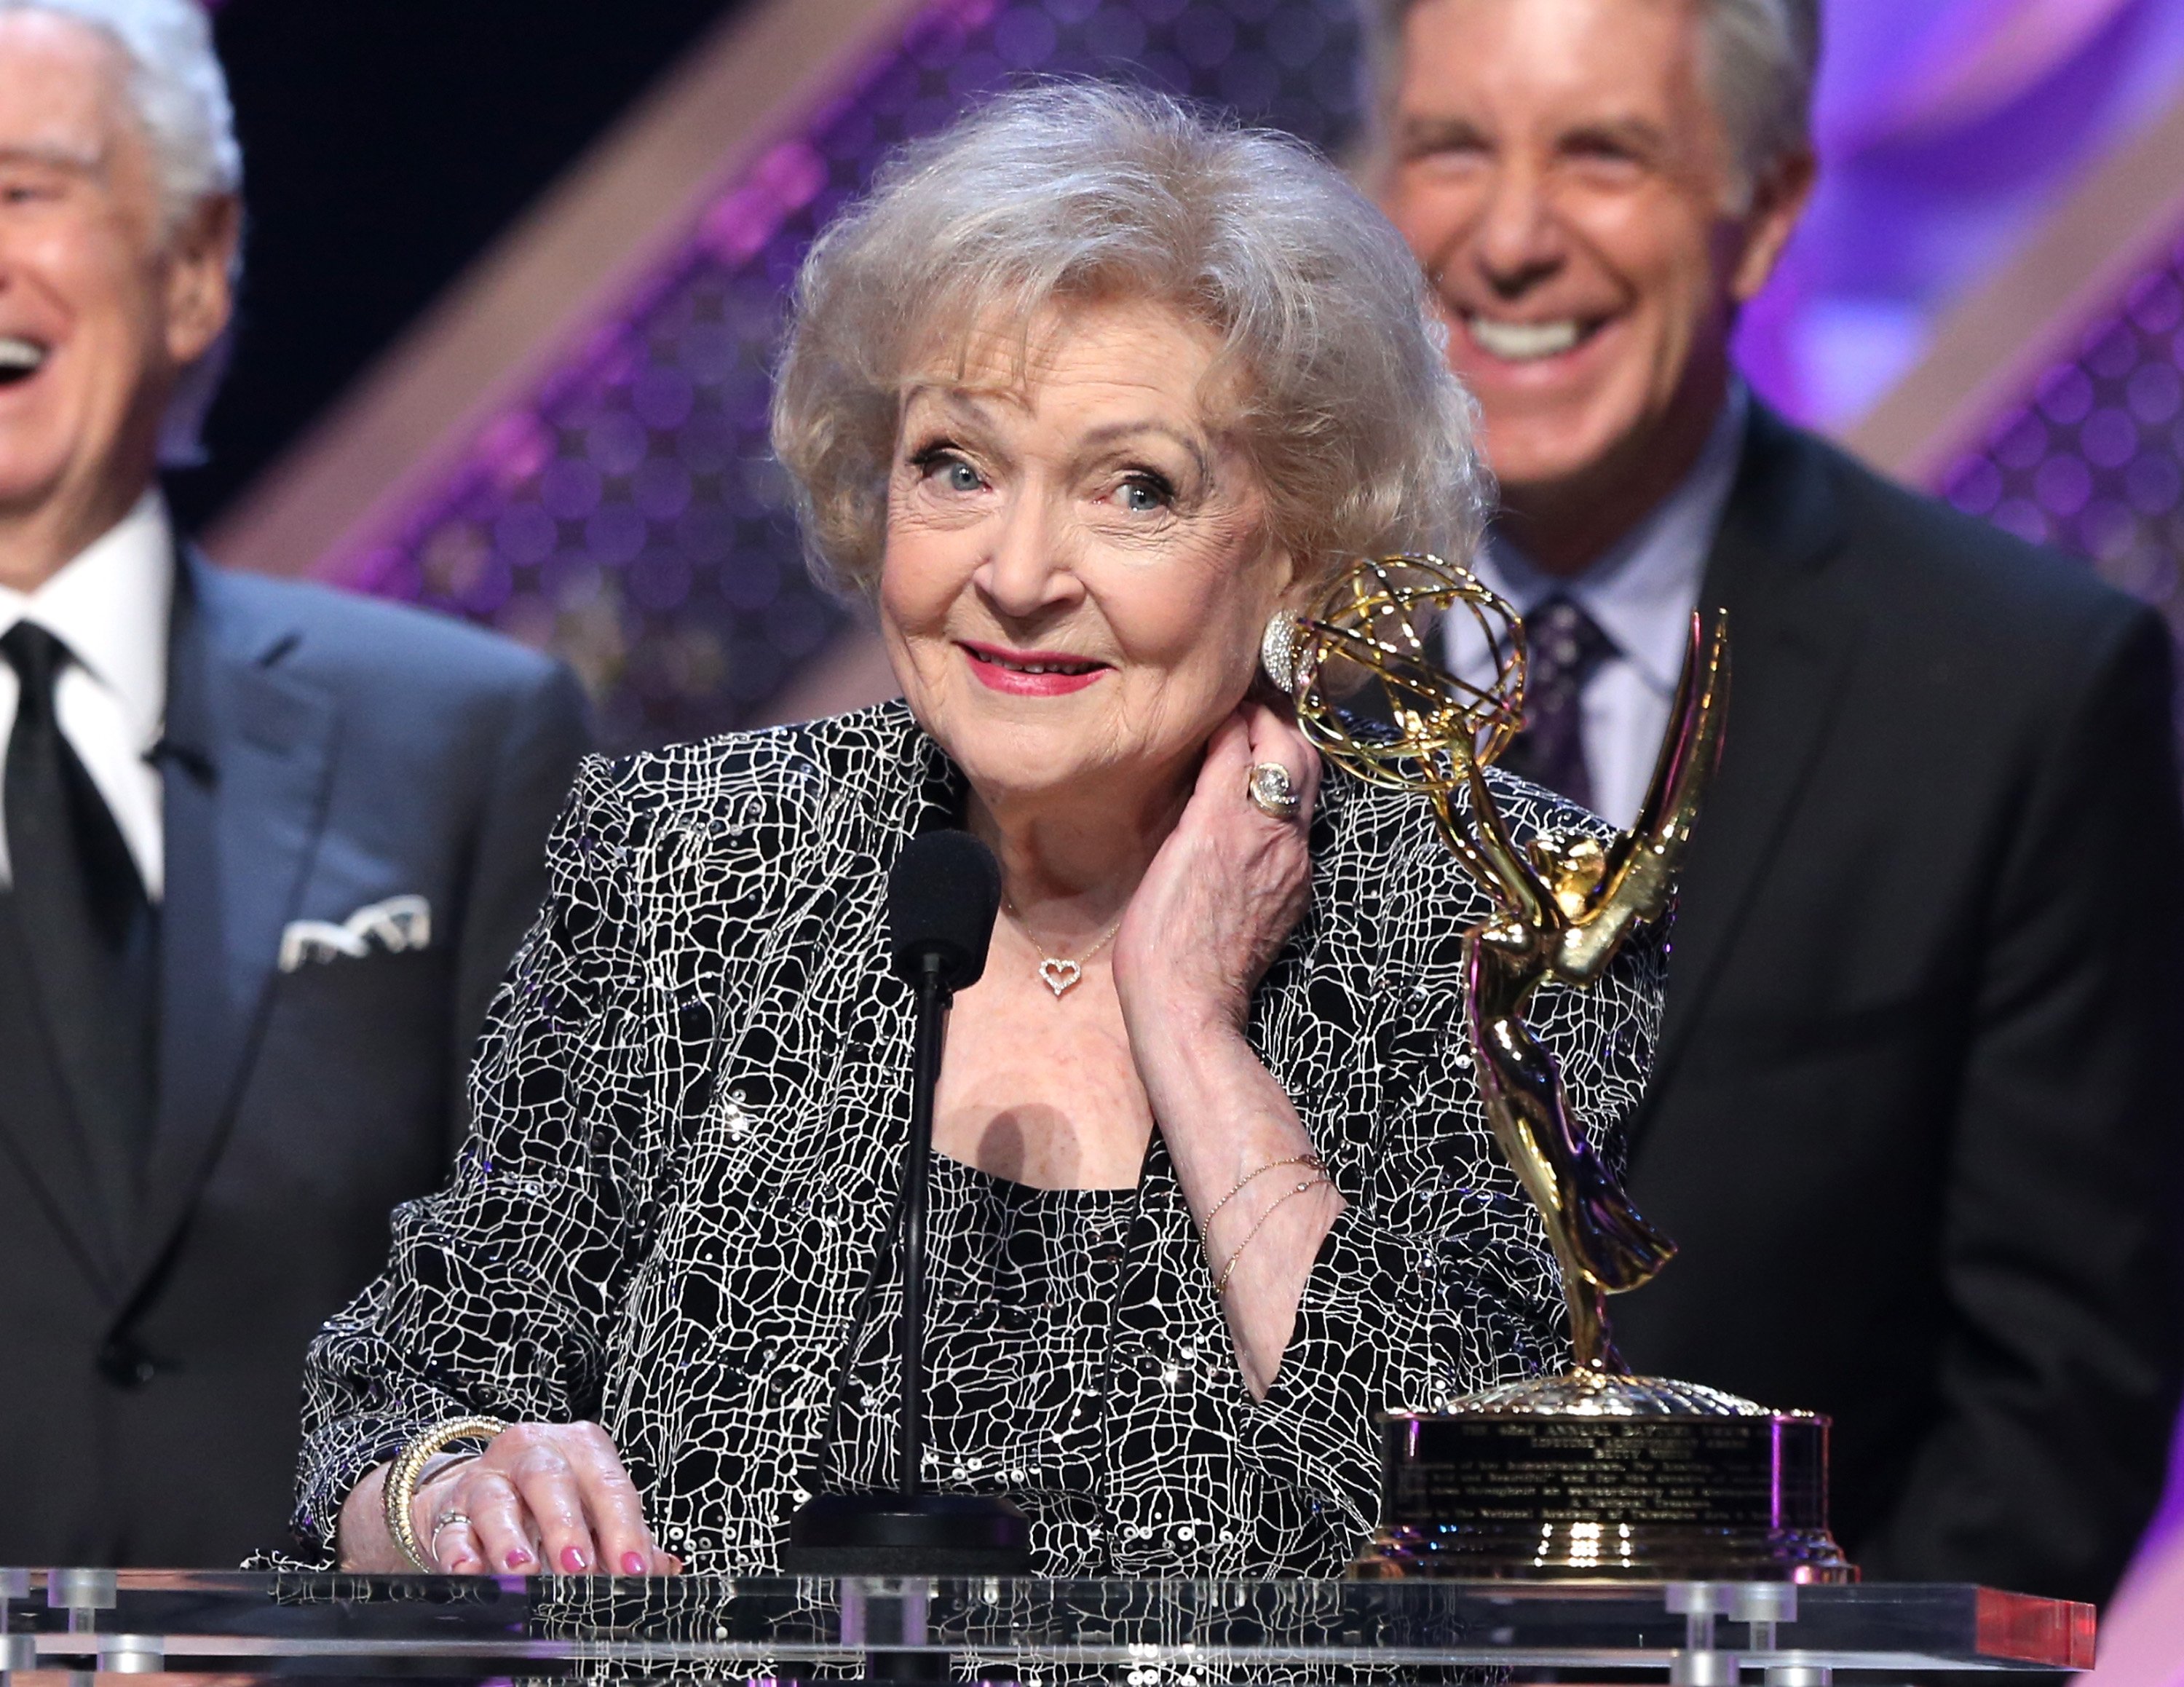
(1022, 1294)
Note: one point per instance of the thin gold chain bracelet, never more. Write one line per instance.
(1221, 1284)
(1310, 1158)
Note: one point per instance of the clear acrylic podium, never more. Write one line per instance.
(1144, 1634)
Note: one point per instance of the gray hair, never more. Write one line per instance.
(1762, 60)
(179, 94)
(1066, 192)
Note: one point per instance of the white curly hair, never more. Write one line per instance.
(1360, 438)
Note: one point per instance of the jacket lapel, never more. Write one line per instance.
(245, 761)
(1791, 634)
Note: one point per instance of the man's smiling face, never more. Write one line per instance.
(1558, 168)
(98, 309)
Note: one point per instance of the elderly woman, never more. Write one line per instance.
(1080, 396)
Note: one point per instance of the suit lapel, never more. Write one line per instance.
(1792, 635)
(245, 761)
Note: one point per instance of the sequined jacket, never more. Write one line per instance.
(691, 1103)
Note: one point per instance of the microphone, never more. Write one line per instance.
(942, 898)
(943, 894)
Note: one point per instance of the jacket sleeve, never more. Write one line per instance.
(2059, 1371)
(1438, 1279)
(497, 1287)
(547, 733)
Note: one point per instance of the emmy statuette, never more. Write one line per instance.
(1594, 1473)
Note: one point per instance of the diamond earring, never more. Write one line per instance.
(1278, 650)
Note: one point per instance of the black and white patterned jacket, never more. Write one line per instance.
(691, 1103)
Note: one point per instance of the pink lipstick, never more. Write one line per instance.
(1031, 673)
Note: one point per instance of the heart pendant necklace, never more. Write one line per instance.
(1058, 972)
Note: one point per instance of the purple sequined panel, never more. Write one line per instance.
(2093, 459)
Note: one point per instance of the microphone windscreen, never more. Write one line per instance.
(942, 898)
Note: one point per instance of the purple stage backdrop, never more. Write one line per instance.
(2092, 460)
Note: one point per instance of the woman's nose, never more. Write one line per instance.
(1025, 568)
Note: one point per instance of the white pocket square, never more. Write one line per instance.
(398, 923)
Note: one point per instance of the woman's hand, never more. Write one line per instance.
(542, 1498)
(1211, 914)
(1226, 888)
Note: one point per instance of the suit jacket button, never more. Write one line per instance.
(125, 1365)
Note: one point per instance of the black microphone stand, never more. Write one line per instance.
(935, 999)
(911, 1531)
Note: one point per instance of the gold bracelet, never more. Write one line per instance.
(1310, 1158)
(1221, 1286)
(401, 1491)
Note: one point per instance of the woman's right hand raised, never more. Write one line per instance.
(541, 1499)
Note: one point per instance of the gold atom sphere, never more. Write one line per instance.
(1374, 686)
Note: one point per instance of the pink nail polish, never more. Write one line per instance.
(518, 1559)
(572, 1560)
(633, 1563)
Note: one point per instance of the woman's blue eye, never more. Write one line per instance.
(1142, 495)
(938, 463)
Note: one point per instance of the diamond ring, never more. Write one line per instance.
(1272, 791)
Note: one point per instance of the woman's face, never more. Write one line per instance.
(1077, 568)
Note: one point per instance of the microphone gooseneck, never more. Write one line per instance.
(942, 898)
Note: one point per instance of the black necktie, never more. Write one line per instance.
(1567, 648)
(87, 924)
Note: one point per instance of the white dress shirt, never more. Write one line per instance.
(110, 606)
(1640, 593)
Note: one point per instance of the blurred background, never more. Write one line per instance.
(517, 274)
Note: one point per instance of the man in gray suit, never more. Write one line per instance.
(1915, 1114)
(264, 850)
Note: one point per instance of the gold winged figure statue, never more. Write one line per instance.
(1561, 906)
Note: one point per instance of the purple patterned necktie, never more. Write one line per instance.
(1567, 648)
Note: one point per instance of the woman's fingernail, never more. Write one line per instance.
(572, 1560)
(633, 1563)
(518, 1558)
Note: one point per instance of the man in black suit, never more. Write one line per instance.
(1915, 1120)
(265, 852)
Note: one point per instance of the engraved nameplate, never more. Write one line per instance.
(1766, 1472)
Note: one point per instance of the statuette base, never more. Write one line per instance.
(1589, 1476)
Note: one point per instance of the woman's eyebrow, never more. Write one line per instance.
(1111, 433)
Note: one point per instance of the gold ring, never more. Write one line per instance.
(1272, 791)
(446, 1521)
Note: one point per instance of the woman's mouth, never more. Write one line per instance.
(1031, 673)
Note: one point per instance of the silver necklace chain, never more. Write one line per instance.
(1058, 972)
